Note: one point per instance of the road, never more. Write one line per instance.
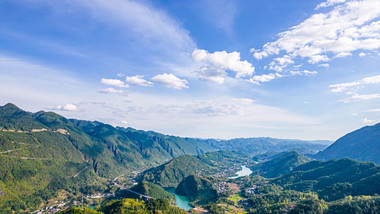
(80, 172)
(26, 158)
(129, 190)
(10, 151)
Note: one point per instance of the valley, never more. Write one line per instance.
(52, 164)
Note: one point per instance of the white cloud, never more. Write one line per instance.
(325, 65)
(329, 3)
(361, 97)
(257, 79)
(114, 82)
(138, 80)
(212, 74)
(111, 91)
(67, 107)
(221, 60)
(369, 122)
(279, 63)
(343, 54)
(363, 54)
(346, 86)
(347, 27)
(171, 81)
(304, 72)
(373, 110)
(314, 59)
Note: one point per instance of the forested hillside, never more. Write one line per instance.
(333, 179)
(44, 155)
(280, 164)
(362, 144)
(221, 163)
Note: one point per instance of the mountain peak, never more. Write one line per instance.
(10, 106)
(362, 144)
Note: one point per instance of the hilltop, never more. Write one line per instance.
(362, 144)
(280, 164)
(218, 164)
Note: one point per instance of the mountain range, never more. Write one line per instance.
(362, 144)
(43, 153)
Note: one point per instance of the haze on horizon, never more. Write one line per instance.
(210, 69)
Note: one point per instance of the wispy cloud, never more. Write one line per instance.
(111, 91)
(150, 26)
(329, 3)
(369, 122)
(361, 97)
(373, 110)
(221, 14)
(304, 72)
(349, 85)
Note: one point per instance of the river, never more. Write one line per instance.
(181, 201)
(243, 172)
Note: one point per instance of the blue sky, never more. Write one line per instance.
(200, 68)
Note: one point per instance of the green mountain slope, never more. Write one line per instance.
(220, 163)
(198, 189)
(333, 179)
(362, 144)
(153, 190)
(128, 205)
(280, 164)
(43, 153)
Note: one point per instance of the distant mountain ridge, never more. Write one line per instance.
(281, 164)
(44, 152)
(260, 145)
(362, 144)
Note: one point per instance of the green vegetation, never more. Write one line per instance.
(152, 206)
(129, 206)
(45, 156)
(42, 154)
(218, 164)
(153, 190)
(199, 190)
(262, 145)
(77, 210)
(286, 201)
(362, 144)
(333, 179)
(356, 205)
(280, 164)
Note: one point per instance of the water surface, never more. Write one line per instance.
(243, 172)
(181, 201)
